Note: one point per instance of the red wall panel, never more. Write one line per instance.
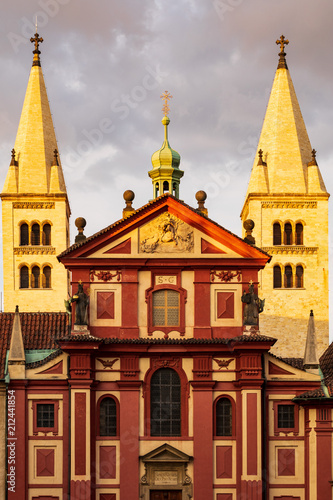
(80, 433)
(252, 438)
(107, 462)
(223, 461)
(45, 462)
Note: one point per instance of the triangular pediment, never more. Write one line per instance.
(166, 453)
(165, 228)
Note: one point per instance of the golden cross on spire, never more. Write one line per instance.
(36, 40)
(282, 42)
(166, 96)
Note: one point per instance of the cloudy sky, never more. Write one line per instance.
(107, 62)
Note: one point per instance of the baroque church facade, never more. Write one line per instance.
(159, 382)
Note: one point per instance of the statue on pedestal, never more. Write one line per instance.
(253, 306)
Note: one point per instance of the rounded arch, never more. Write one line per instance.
(24, 233)
(46, 276)
(299, 276)
(174, 365)
(277, 275)
(107, 421)
(46, 233)
(35, 233)
(35, 276)
(224, 424)
(277, 232)
(288, 231)
(24, 275)
(299, 232)
(288, 276)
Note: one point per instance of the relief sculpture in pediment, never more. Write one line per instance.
(166, 234)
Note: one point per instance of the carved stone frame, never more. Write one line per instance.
(166, 469)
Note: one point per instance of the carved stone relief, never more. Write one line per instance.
(166, 234)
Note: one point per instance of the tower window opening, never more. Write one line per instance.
(276, 234)
(277, 281)
(165, 187)
(299, 277)
(47, 277)
(24, 277)
(288, 277)
(157, 189)
(46, 234)
(299, 234)
(24, 234)
(35, 234)
(35, 275)
(288, 234)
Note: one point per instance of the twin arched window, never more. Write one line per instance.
(35, 278)
(36, 234)
(287, 233)
(288, 276)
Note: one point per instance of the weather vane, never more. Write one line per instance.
(166, 96)
(282, 42)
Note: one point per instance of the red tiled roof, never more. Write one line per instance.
(39, 330)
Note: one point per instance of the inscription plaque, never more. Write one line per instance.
(166, 477)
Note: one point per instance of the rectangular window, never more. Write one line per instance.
(286, 416)
(45, 415)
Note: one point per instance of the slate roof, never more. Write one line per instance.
(39, 330)
(146, 207)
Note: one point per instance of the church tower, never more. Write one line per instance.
(288, 202)
(35, 207)
(166, 173)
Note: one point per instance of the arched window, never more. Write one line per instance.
(299, 276)
(46, 234)
(46, 277)
(35, 234)
(165, 308)
(276, 234)
(277, 281)
(288, 277)
(288, 234)
(35, 274)
(24, 277)
(108, 417)
(24, 234)
(299, 234)
(165, 187)
(165, 407)
(223, 417)
(157, 189)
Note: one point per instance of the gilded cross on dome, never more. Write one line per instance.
(282, 42)
(166, 96)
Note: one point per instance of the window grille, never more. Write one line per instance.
(45, 415)
(108, 417)
(286, 416)
(223, 417)
(165, 403)
(165, 308)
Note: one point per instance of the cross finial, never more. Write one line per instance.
(36, 40)
(282, 41)
(55, 157)
(313, 161)
(13, 161)
(166, 96)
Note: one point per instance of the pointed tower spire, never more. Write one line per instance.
(166, 173)
(34, 198)
(311, 361)
(16, 355)
(288, 202)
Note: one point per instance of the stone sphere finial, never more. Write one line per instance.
(201, 197)
(80, 223)
(248, 225)
(128, 195)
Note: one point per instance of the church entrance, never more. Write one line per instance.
(166, 495)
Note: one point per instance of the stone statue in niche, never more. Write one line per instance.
(81, 309)
(253, 306)
(166, 234)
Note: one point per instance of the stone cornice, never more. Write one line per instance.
(291, 250)
(34, 204)
(35, 250)
(289, 204)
